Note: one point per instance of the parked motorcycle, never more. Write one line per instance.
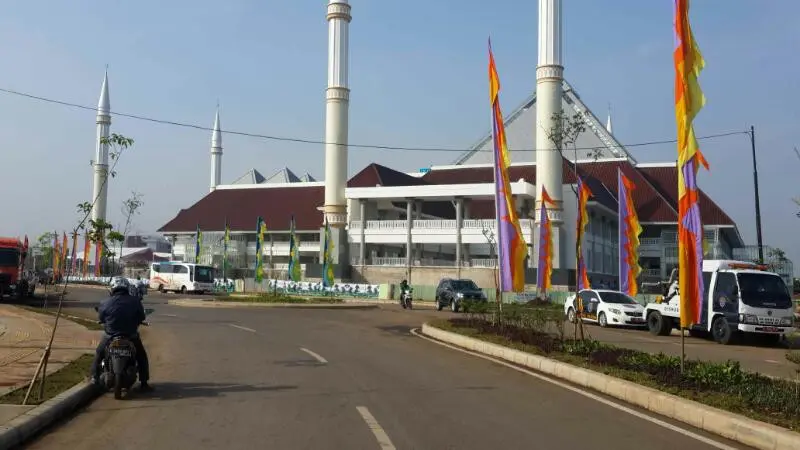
(406, 299)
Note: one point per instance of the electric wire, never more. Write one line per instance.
(319, 142)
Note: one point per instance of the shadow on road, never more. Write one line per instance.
(175, 391)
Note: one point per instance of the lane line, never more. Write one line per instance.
(169, 315)
(242, 328)
(633, 412)
(376, 428)
(771, 361)
(315, 355)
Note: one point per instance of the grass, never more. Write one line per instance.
(723, 386)
(88, 323)
(278, 298)
(55, 383)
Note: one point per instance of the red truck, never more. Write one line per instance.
(13, 280)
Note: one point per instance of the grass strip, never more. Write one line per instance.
(56, 383)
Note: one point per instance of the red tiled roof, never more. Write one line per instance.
(665, 179)
(243, 206)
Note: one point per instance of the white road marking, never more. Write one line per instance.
(315, 355)
(771, 361)
(633, 412)
(376, 428)
(169, 315)
(242, 328)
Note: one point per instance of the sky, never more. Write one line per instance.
(417, 79)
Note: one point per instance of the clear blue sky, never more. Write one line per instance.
(418, 78)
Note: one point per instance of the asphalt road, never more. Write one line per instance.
(325, 379)
(752, 355)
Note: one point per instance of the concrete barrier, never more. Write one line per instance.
(760, 435)
(27, 425)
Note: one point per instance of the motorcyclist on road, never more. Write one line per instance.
(121, 315)
(404, 286)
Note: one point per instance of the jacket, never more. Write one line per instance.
(121, 315)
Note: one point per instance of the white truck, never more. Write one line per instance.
(740, 297)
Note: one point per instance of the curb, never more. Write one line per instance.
(753, 433)
(213, 304)
(26, 426)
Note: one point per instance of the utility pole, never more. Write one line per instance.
(758, 202)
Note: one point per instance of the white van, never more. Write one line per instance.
(181, 277)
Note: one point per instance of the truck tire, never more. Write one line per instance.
(722, 332)
(658, 325)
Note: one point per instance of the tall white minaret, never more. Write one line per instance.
(337, 102)
(100, 186)
(216, 154)
(608, 121)
(549, 93)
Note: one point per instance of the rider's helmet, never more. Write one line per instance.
(119, 285)
(404, 282)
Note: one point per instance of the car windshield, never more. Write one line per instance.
(9, 257)
(618, 298)
(761, 290)
(203, 274)
(464, 285)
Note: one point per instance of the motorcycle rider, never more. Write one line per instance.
(121, 315)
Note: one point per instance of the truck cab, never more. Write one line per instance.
(739, 297)
(13, 280)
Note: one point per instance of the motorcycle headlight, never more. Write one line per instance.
(459, 295)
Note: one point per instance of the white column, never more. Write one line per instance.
(409, 221)
(100, 186)
(216, 154)
(459, 223)
(336, 113)
(549, 79)
(362, 204)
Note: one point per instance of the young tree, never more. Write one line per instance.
(45, 244)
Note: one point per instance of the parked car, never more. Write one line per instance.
(606, 307)
(454, 293)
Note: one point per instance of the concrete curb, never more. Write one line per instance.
(26, 426)
(753, 433)
(213, 304)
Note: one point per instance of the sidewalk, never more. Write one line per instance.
(23, 337)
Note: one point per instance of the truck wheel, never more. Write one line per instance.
(658, 325)
(722, 332)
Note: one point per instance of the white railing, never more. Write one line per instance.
(483, 262)
(387, 261)
(650, 242)
(435, 224)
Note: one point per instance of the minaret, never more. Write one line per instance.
(216, 154)
(608, 121)
(549, 93)
(100, 187)
(337, 103)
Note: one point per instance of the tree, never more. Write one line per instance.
(45, 244)
(564, 136)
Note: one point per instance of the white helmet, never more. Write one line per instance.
(119, 284)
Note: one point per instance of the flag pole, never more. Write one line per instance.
(498, 289)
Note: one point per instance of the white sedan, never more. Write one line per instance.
(606, 307)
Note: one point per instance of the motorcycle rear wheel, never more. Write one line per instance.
(118, 386)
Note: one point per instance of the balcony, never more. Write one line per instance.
(438, 231)
(650, 247)
(399, 261)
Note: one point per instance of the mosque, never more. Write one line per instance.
(440, 221)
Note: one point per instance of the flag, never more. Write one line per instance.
(545, 268)
(225, 239)
(689, 99)
(63, 261)
(56, 252)
(74, 255)
(583, 219)
(261, 228)
(295, 272)
(629, 231)
(87, 249)
(198, 244)
(98, 256)
(511, 247)
(327, 258)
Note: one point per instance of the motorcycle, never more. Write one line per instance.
(406, 299)
(118, 368)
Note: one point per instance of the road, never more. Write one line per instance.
(347, 379)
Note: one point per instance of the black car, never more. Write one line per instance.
(454, 292)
